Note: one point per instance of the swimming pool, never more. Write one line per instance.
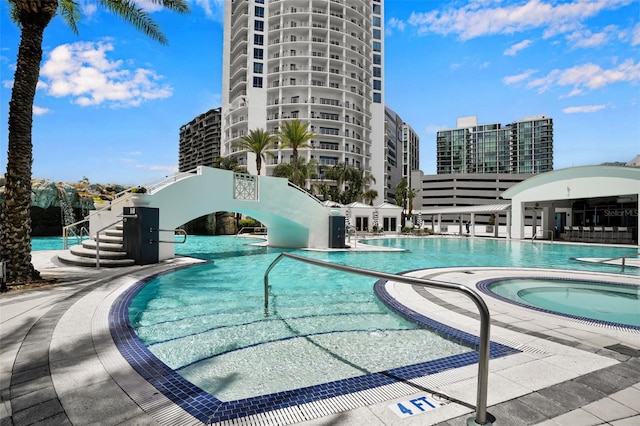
(324, 327)
(48, 243)
(605, 302)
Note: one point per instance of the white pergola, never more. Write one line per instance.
(462, 211)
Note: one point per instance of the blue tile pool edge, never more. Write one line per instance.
(207, 408)
(484, 287)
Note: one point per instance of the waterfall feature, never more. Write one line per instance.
(66, 210)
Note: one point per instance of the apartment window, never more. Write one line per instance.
(377, 98)
(377, 46)
(377, 72)
(376, 21)
(377, 34)
(377, 59)
(258, 39)
(257, 67)
(257, 81)
(259, 12)
(258, 25)
(260, 1)
(377, 84)
(258, 53)
(377, 9)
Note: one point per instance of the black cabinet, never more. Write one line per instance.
(337, 232)
(140, 234)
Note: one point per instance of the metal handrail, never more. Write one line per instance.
(305, 192)
(623, 258)
(255, 230)
(483, 350)
(175, 231)
(65, 232)
(544, 231)
(122, 217)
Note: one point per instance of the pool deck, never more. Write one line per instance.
(59, 364)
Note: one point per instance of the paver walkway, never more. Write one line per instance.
(57, 368)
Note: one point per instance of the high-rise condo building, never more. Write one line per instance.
(524, 146)
(318, 61)
(402, 153)
(200, 141)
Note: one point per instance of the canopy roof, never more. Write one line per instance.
(488, 208)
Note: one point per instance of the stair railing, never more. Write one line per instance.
(482, 417)
(122, 217)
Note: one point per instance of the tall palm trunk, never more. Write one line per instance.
(15, 231)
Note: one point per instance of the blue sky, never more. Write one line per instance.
(111, 101)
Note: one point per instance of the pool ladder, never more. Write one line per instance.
(481, 417)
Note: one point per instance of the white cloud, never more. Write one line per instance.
(583, 77)
(171, 169)
(83, 71)
(7, 84)
(584, 108)
(587, 39)
(635, 38)
(478, 19)
(517, 78)
(396, 24)
(40, 111)
(513, 49)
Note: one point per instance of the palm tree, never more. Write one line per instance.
(33, 17)
(258, 142)
(370, 195)
(305, 171)
(295, 135)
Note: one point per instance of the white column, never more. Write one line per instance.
(473, 224)
(439, 223)
(496, 225)
(508, 225)
(517, 217)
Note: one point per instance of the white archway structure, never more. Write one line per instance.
(551, 190)
(294, 218)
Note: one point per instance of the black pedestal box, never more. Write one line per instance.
(337, 232)
(141, 235)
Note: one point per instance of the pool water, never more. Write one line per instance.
(207, 322)
(48, 243)
(611, 303)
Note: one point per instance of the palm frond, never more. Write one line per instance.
(140, 19)
(14, 13)
(179, 6)
(70, 13)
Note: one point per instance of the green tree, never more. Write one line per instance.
(228, 163)
(401, 198)
(295, 135)
(369, 196)
(258, 142)
(305, 171)
(33, 16)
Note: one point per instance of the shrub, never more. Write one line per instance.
(248, 222)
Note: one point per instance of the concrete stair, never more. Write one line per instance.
(112, 253)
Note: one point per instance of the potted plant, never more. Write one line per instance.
(99, 203)
(139, 196)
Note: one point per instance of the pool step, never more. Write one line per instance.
(112, 253)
